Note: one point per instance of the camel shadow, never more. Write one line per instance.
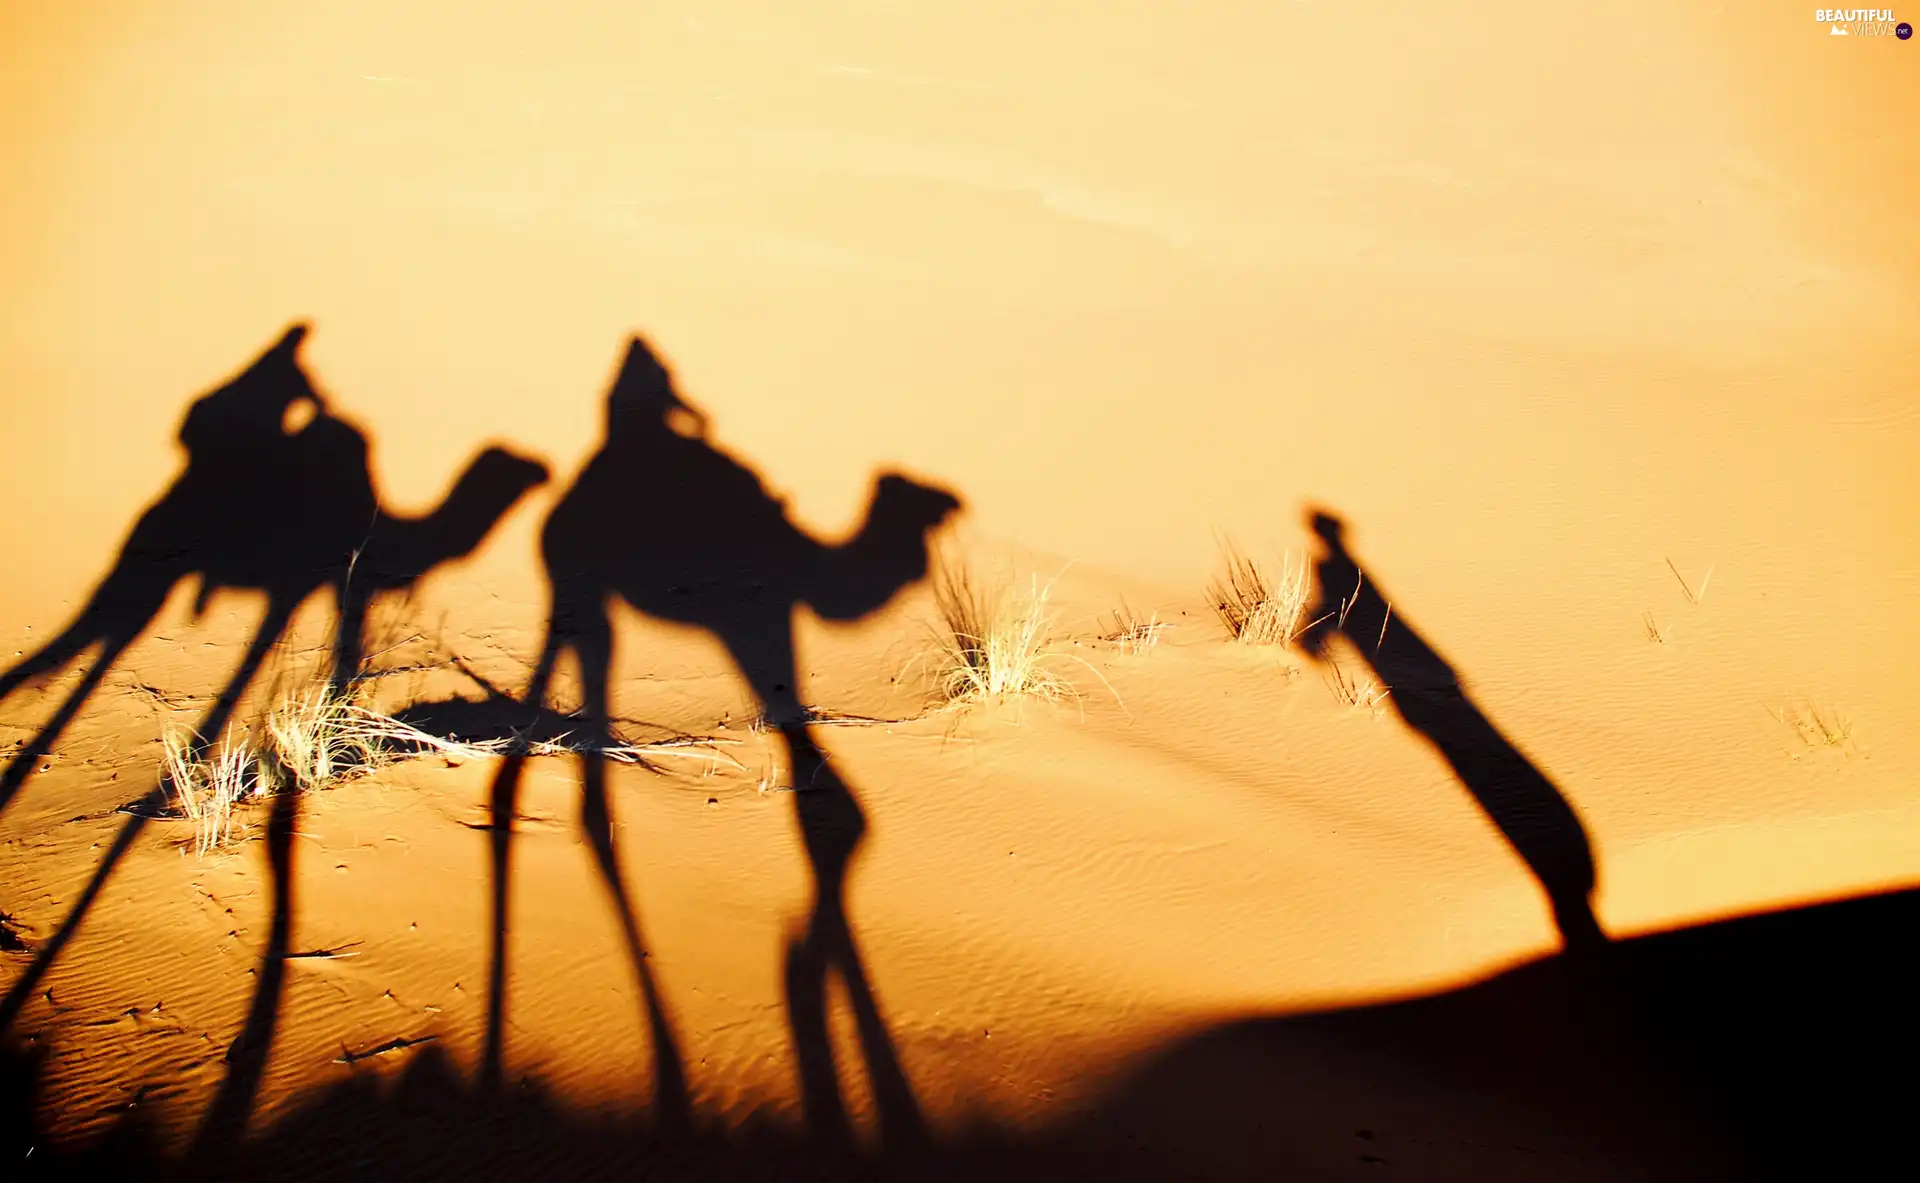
(735, 565)
(1533, 816)
(264, 505)
(276, 497)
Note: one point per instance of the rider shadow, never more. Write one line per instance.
(1533, 816)
(276, 497)
(665, 521)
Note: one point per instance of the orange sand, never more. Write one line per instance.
(1539, 302)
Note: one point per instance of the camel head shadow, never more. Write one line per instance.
(887, 555)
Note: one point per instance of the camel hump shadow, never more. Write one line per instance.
(264, 502)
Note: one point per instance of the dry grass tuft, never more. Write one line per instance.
(207, 787)
(318, 738)
(993, 644)
(1816, 725)
(1357, 692)
(1694, 594)
(321, 739)
(1261, 607)
(1132, 633)
(1662, 634)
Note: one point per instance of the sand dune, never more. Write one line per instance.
(1595, 330)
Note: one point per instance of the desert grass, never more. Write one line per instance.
(1133, 633)
(1357, 692)
(317, 738)
(321, 738)
(1345, 608)
(1258, 605)
(1662, 634)
(207, 786)
(1694, 594)
(994, 642)
(1816, 725)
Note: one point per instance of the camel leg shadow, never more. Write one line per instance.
(217, 717)
(227, 1115)
(503, 808)
(832, 825)
(48, 953)
(579, 623)
(593, 643)
(348, 637)
(226, 1118)
(113, 619)
(506, 791)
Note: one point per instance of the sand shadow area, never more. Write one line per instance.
(1769, 1046)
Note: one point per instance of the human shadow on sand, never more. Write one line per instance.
(1517, 797)
(276, 497)
(674, 526)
